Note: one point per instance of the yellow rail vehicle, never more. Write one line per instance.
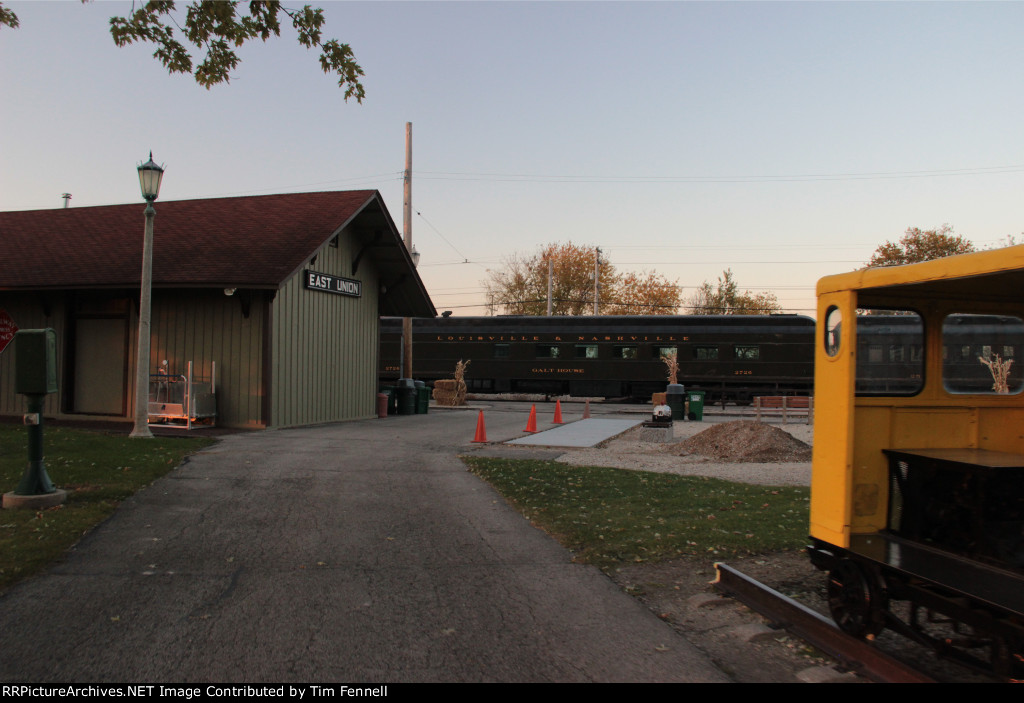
(917, 496)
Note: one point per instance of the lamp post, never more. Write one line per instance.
(150, 176)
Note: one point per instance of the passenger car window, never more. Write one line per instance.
(979, 354)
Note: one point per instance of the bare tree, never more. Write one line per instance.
(725, 298)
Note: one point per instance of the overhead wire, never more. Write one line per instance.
(780, 178)
(547, 178)
(349, 182)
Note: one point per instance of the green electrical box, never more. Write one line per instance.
(35, 362)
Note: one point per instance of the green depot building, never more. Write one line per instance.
(276, 298)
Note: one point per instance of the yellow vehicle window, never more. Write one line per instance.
(890, 360)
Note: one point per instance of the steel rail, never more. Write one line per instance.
(815, 629)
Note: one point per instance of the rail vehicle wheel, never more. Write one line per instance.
(856, 600)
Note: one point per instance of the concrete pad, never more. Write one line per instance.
(39, 501)
(584, 433)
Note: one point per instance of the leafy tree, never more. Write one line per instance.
(521, 287)
(213, 28)
(921, 245)
(725, 298)
(8, 17)
(646, 293)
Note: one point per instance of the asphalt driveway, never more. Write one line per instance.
(353, 552)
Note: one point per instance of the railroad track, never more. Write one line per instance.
(815, 629)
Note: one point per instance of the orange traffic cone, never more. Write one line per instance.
(531, 424)
(481, 430)
(586, 410)
(558, 412)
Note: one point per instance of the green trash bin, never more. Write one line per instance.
(406, 391)
(422, 398)
(675, 398)
(696, 399)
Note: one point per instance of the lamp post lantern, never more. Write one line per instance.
(150, 176)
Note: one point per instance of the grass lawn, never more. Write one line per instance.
(98, 470)
(611, 516)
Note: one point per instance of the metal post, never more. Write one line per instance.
(35, 480)
(188, 398)
(142, 364)
(551, 266)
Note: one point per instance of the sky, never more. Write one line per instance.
(782, 140)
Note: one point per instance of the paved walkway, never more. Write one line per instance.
(582, 433)
(359, 552)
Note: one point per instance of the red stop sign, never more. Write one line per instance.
(7, 329)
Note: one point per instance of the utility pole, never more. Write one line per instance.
(551, 266)
(406, 371)
(597, 272)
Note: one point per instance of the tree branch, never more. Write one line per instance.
(216, 29)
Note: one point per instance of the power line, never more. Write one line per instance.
(734, 262)
(791, 310)
(783, 178)
(772, 246)
(438, 232)
(487, 262)
(347, 182)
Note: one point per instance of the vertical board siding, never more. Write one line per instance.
(28, 310)
(204, 327)
(324, 345)
(201, 326)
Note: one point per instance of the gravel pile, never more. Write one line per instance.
(629, 451)
(744, 441)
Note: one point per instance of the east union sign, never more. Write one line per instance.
(333, 284)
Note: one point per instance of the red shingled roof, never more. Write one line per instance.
(256, 241)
